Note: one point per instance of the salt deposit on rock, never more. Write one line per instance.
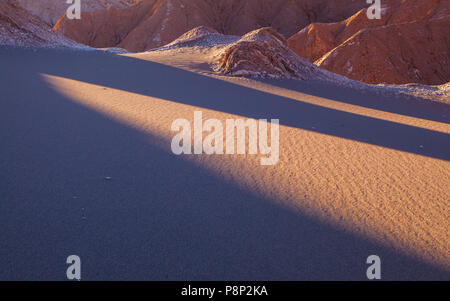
(264, 53)
(201, 36)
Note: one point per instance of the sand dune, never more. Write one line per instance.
(86, 168)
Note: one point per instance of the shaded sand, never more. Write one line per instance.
(360, 173)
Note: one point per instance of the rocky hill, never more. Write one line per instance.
(409, 44)
(19, 28)
(265, 53)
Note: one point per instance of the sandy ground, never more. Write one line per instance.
(359, 173)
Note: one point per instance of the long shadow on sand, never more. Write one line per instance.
(158, 217)
(405, 105)
(157, 80)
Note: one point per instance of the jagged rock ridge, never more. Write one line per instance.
(409, 44)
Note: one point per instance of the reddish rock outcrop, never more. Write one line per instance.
(154, 23)
(19, 28)
(409, 44)
(265, 53)
(102, 28)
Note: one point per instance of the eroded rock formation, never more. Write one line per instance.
(409, 44)
(154, 23)
(265, 53)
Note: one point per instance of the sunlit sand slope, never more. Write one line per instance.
(86, 167)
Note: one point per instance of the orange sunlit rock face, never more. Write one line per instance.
(409, 44)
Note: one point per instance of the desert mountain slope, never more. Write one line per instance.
(49, 11)
(262, 53)
(19, 28)
(153, 23)
(408, 45)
